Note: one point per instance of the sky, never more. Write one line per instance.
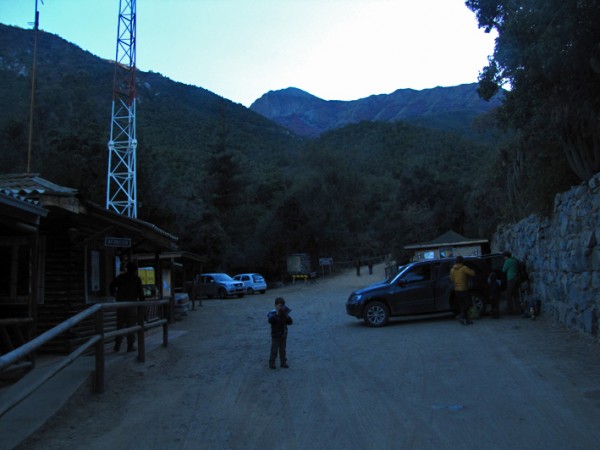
(241, 49)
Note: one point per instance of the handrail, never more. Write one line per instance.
(24, 350)
(96, 340)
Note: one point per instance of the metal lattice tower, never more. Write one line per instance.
(121, 186)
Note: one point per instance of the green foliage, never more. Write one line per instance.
(548, 52)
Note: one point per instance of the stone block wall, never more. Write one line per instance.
(562, 256)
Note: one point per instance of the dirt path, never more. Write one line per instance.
(499, 384)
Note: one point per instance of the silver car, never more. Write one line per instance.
(218, 285)
(253, 282)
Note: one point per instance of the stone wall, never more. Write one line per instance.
(562, 256)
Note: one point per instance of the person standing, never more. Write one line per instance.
(494, 295)
(511, 270)
(357, 265)
(459, 274)
(127, 287)
(279, 319)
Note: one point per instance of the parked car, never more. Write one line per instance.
(218, 285)
(422, 287)
(253, 282)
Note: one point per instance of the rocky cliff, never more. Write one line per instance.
(563, 256)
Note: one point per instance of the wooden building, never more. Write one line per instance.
(19, 240)
(61, 252)
(448, 245)
(177, 269)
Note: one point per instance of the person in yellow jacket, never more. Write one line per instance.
(459, 274)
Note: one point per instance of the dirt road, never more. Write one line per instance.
(415, 384)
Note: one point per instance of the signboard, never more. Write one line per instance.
(117, 242)
(146, 274)
(325, 261)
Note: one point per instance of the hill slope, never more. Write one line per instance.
(74, 89)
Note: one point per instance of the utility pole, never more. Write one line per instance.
(121, 185)
(36, 27)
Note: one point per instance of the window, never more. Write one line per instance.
(15, 269)
(418, 273)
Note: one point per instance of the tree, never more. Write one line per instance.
(548, 52)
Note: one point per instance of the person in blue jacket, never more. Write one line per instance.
(279, 319)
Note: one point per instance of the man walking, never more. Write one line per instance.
(127, 287)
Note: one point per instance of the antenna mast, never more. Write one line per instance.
(121, 186)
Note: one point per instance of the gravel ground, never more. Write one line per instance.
(429, 383)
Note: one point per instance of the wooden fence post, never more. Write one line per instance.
(99, 352)
(141, 342)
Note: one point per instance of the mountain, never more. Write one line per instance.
(448, 108)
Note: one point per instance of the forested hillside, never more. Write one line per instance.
(241, 189)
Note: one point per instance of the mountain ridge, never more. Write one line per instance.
(310, 116)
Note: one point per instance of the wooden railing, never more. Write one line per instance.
(10, 361)
(14, 333)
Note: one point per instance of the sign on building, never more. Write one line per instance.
(117, 242)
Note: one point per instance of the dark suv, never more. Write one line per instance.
(422, 287)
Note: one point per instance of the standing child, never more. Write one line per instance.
(279, 319)
(494, 294)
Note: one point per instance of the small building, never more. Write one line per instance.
(448, 245)
(177, 270)
(59, 254)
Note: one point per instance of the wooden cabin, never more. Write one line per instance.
(19, 268)
(448, 245)
(66, 260)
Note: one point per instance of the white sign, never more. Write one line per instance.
(117, 242)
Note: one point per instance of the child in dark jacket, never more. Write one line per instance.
(279, 319)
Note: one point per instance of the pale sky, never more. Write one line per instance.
(241, 49)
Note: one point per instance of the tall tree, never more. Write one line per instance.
(549, 53)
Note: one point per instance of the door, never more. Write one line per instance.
(208, 286)
(443, 285)
(413, 293)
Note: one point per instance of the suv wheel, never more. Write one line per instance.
(222, 293)
(376, 314)
(250, 291)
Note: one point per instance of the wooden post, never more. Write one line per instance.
(165, 328)
(141, 342)
(99, 352)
